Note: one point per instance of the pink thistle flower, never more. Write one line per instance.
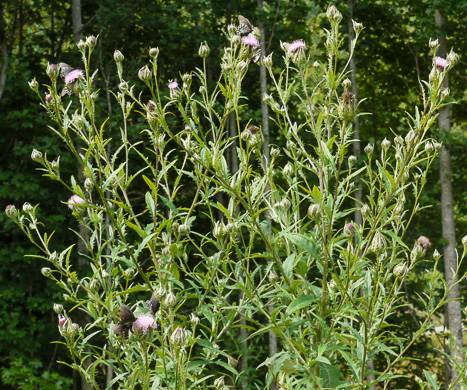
(424, 242)
(73, 76)
(299, 44)
(173, 84)
(143, 323)
(74, 200)
(441, 63)
(250, 41)
(62, 319)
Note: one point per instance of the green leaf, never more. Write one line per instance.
(300, 302)
(431, 380)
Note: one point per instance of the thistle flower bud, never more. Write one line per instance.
(88, 184)
(232, 29)
(160, 292)
(194, 319)
(170, 299)
(437, 255)
(314, 210)
(81, 45)
(369, 149)
(47, 272)
(386, 144)
(184, 229)
(409, 137)
(144, 73)
(378, 244)
(129, 273)
(52, 71)
(433, 77)
(288, 170)
(267, 61)
(399, 140)
(246, 135)
(347, 83)
(219, 383)
(232, 362)
(365, 210)
(350, 229)
(285, 204)
(58, 308)
(464, 242)
(91, 41)
(445, 93)
(11, 211)
(452, 58)
(275, 152)
(186, 78)
(36, 156)
(358, 27)
(27, 208)
(123, 87)
(347, 106)
(242, 65)
(118, 56)
(352, 161)
(33, 85)
(429, 147)
(154, 52)
(400, 270)
(272, 276)
(53, 256)
(333, 14)
(437, 145)
(433, 43)
(179, 337)
(219, 230)
(204, 50)
(316, 64)
(236, 40)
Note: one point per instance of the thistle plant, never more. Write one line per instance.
(284, 238)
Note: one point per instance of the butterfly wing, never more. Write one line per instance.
(153, 305)
(67, 91)
(244, 27)
(127, 318)
(256, 54)
(65, 69)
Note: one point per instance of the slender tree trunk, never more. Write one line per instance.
(266, 157)
(77, 20)
(453, 312)
(4, 53)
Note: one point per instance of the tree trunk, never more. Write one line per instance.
(4, 51)
(77, 20)
(453, 312)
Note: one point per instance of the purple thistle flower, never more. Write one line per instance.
(441, 63)
(250, 41)
(143, 323)
(74, 200)
(173, 84)
(73, 76)
(61, 319)
(299, 44)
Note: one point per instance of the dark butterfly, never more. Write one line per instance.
(153, 305)
(127, 318)
(244, 27)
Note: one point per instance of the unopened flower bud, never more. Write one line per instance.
(144, 73)
(369, 149)
(358, 27)
(184, 229)
(186, 78)
(452, 58)
(11, 211)
(316, 64)
(445, 93)
(437, 255)
(285, 204)
(170, 299)
(433, 43)
(204, 50)
(288, 170)
(386, 144)
(347, 84)
(53, 256)
(94, 285)
(437, 145)
(347, 106)
(179, 337)
(314, 210)
(129, 273)
(52, 71)
(409, 137)
(154, 52)
(160, 292)
(91, 41)
(27, 208)
(36, 156)
(400, 270)
(81, 45)
(242, 65)
(58, 308)
(267, 61)
(275, 152)
(219, 230)
(350, 229)
(333, 14)
(272, 276)
(232, 29)
(33, 85)
(429, 147)
(378, 244)
(118, 56)
(352, 161)
(194, 319)
(47, 272)
(232, 362)
(88, 184)
(123, 86)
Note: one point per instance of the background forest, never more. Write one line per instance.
(391, 55)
